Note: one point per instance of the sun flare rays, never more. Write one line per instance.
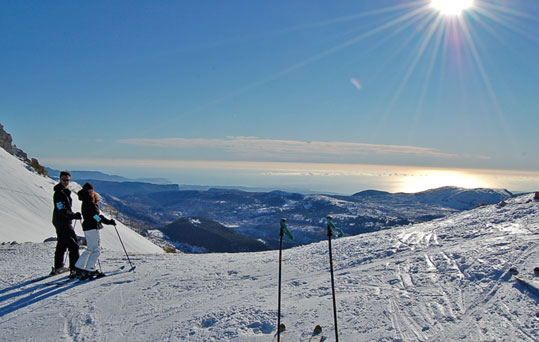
(451, 7)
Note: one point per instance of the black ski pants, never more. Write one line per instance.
(67, 240)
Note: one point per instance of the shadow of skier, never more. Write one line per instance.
(525, 289)
(22, 290)
(43, 291)
(33, 297)
(23, 284)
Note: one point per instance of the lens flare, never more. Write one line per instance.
(356, 83)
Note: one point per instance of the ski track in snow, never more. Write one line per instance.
(444, 280)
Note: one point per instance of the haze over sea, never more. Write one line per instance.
(313, 177)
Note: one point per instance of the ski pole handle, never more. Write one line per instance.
(329, 218)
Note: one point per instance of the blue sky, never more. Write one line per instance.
(236, 92)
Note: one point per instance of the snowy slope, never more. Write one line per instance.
(446, 280)
(26, 210)
(460, 198)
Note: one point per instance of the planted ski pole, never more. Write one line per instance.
(331, 231)
(132, 267)
(283, 232)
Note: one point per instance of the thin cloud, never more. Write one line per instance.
(271, 149)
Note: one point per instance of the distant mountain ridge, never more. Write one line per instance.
(257, 214)
(119, 189)
(463, 199)
(447, 196)
(100, 176)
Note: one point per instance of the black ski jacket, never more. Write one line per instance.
(62, 214)
(91, 217)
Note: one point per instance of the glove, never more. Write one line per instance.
(108, 221)
(77, 216)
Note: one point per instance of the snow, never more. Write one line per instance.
(26, 216)
(445, 280)
(194, 222)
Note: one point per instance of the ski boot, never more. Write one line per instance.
(58, 270)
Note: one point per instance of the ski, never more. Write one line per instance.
(50, 275)
(317, 335)
(65, 280)
(119, 270)
(279, 335)
(35, 280)
(97, 276)
(59, 282)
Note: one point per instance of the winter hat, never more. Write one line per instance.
(87, 186)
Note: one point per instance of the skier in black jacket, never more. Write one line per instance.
(91, 224)
(62, 219)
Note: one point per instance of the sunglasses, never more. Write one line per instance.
(65, 179)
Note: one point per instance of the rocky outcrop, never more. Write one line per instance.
(6, 141)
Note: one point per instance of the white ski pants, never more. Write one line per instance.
(88, 259)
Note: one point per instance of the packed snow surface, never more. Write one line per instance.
(446, 280)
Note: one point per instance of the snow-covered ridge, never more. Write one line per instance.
(26, 210)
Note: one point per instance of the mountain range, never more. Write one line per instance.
(257, 214)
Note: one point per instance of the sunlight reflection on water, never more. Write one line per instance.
(316, 177)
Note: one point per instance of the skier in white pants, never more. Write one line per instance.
(91, 224)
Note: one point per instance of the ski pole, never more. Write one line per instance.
(280, 271)
(330, 233)
(123, 247)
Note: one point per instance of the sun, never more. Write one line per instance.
(451, 7)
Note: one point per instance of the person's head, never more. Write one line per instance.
(65, 178)
(90, 188)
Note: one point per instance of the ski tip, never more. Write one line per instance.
(122, 267)
(132, 269)
(282, 327)
(317, 330)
